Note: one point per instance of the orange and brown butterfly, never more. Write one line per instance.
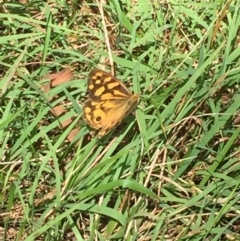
(109, 101)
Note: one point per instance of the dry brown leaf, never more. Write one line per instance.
(55, 80)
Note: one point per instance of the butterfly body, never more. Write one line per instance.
(109, 101)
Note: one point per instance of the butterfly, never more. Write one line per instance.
(108, 102)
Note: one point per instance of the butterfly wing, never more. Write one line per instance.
(107, 114)
(109, 101)
(116, 114)
(103, 86)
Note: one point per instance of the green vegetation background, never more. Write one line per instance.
(170, 173)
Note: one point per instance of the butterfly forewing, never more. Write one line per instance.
(104, 86)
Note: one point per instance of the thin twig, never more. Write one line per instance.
(100, 6)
